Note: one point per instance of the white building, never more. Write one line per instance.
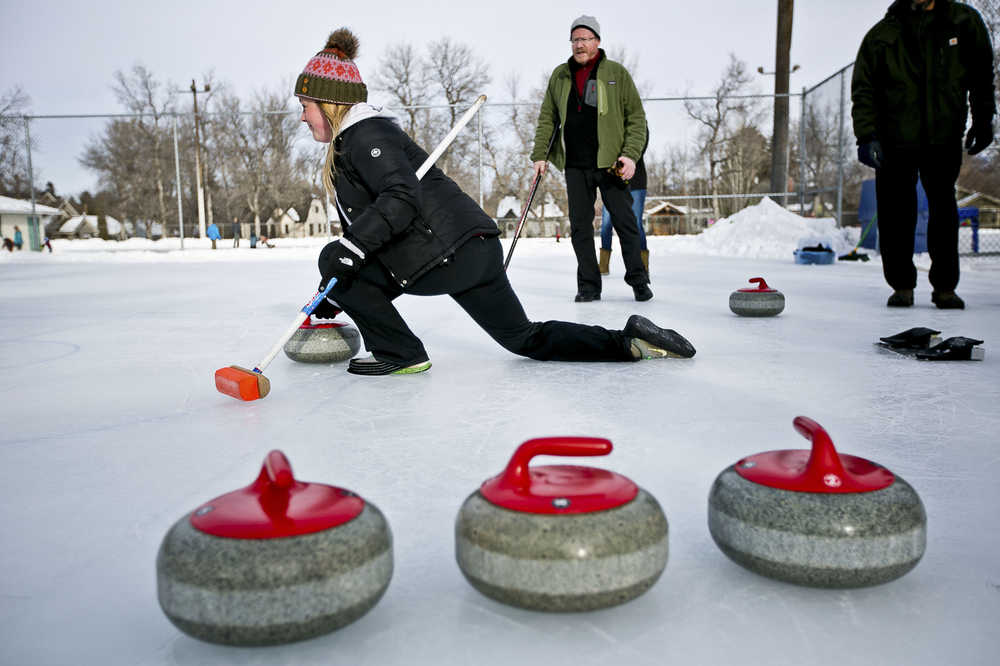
(15, 213)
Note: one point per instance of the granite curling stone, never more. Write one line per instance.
(277, 561)
(817, 518)
(323, 342)
(761, 301)
(561, 537)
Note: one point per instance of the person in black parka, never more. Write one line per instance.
(425, 237)
(918, 72)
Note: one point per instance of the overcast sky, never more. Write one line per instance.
(64, 54)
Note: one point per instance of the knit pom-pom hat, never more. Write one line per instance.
(331, 75)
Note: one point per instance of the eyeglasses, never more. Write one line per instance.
(581, 40)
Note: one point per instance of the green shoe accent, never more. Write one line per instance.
(643, 351)
(413, 369)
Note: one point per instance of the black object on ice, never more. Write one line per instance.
(953, 349)
(912, 338)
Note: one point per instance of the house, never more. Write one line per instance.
(62, 203)
(15, 213)
(85, 226)
(289, 223)
(989, 207)
(666, 219)
(544, 220)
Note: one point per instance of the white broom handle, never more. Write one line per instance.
(443, 146)
(424, 168)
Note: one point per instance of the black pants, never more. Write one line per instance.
(896, 191)
(475, 278)
(581, 191)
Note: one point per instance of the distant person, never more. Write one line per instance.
(603, 128)
(47, 244)
(912, 75)
(18, 238)
(236, 232)
(253, 239)
(424, 237)
(637, 187)
(266, 242)
(213, 233)
(8, 244)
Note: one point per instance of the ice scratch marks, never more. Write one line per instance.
(24, 352)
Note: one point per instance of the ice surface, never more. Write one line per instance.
(113, 430)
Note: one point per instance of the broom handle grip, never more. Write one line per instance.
(424, 168)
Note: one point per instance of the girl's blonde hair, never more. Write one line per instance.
(334, 114)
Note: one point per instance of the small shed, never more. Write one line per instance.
(16, 213)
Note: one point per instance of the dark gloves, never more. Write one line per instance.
(870, 153)
(326, 309)
(979, 136)
(340, 259)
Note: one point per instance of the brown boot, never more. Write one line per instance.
(645, 259)
(901, 298)
(604, 261)
(947, 300)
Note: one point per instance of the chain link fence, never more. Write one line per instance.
(489, 160)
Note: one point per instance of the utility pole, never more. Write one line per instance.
(782, 61)
(197, 160)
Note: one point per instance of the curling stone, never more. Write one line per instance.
(326, 342)
(762, 301)
(561, 537)
(817, 518)
(277, 561)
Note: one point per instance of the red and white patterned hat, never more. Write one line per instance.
(331, 75)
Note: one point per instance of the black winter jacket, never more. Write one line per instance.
(913, 72)
(409, 226)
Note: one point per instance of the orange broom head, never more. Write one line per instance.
(241, 383)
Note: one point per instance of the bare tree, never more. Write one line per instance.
(257, 149)
(719, 119)
(402, 75)
(140, 93)
(14, 104)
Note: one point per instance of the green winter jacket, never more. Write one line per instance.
(913, 74)
(621, 121)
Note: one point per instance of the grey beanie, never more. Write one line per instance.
(588, 22)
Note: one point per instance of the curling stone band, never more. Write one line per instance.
(841, 521)
(762, 301)
(327, 342)
(275, 562)
(561, 538)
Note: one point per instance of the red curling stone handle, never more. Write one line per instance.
(761, 284)
(278, 470)
(517, 474)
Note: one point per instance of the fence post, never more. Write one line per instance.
(177, 175)
(840, 156)
(802, 155)
(33, 241)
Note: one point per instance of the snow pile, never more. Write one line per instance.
(765, 231)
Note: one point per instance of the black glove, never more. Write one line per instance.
(870, 153)
(326, 309)
(340, 259)
(979, 136)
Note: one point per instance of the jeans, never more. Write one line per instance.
(638, 206)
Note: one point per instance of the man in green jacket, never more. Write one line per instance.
(593, 104)
(918, 72)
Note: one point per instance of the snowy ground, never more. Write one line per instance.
(113, 430)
